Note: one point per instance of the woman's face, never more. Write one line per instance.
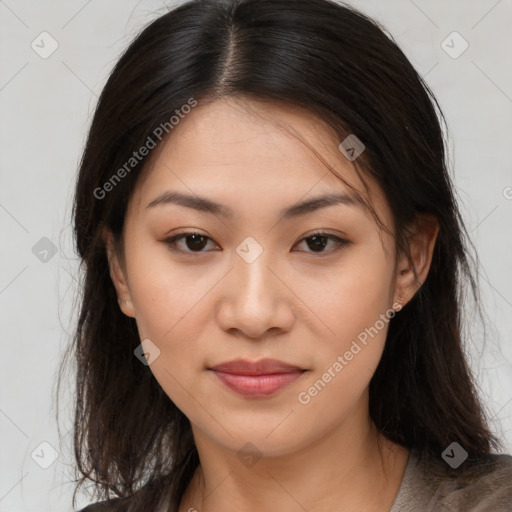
(258, 285)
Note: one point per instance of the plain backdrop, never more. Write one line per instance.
(46, 103)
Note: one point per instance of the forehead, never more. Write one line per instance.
(252, 155)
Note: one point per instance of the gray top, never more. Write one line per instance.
(428, 485)
(433, 486)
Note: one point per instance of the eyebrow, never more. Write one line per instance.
(206, 205)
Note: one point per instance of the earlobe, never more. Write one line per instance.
(413, 273)
(117, 275)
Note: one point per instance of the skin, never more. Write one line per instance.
(291, 303)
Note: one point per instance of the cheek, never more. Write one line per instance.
(165, 295)
(354, 305)
(350, 295)
(171, 309)
(347, 361)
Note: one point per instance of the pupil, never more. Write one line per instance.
(317, 239)
(196, 241)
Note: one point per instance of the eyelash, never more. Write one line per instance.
(340, 242)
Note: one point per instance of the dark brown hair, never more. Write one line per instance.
(130, 439)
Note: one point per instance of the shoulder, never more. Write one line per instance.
(154, 496)
(484, 485)
(94, 507)
(480, 485)
(115, 505)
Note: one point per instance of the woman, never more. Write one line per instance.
(274, 265)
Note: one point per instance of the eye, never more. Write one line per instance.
(196, 242)
(319, 240)
(193, 241)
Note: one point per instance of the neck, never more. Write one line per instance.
(351, 465)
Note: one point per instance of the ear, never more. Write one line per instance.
(422, 238)
(118, 275)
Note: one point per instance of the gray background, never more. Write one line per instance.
(45, 110)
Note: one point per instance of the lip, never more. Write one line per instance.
(261, 378)
(261, 367)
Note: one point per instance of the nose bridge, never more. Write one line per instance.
(255, 299)
(253, 274)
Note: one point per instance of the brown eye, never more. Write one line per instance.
(194, 242)
(318, 241)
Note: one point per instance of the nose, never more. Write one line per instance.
(255, 299)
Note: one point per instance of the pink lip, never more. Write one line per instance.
(257, 379)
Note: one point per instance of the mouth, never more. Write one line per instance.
(257, 379)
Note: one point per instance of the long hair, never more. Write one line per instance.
(130, 439)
